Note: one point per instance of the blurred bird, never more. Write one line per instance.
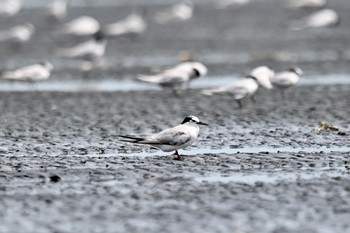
(246, 87)
(263, 74)
(176, 77)
(89, 50)
(286, 79)
(58, 9)
(179, 12)
(172, 139)
(134, 24)
(18, 34)
(10, 8)
(319, 19)
(31, 73)
(222, 4)
(306, 3)
(82, 26)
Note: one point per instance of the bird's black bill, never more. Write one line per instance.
(202, 123)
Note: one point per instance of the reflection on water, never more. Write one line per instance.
(273, 177)
(110, 85)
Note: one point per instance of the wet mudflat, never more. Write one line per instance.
(262, 168)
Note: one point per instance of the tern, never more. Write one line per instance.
(246, 87)
(286, 79)
(319, 19)
(176, 77)
(90, 50)
(172, 139)
(18, 34)
(31, 73)
(58, 9)
(134, 24)
(306, 3)
(81, 26)
(223, 4)
(180, 12)
(10, 8)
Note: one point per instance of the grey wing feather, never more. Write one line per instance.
(173, 138)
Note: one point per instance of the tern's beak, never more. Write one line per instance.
(202, 123)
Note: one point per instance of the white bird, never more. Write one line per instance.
(263, 75)
(172, 139)
(179, 12)
(134, 24)
(286, 79)
(222, 4)
(31, 73)
(10, 8)
(81, 26)
(238, 90)
(306, 3)
(58, 9)
(246, 87)
(90, 50)
(319, 19)
(176, 77)
(18, 34)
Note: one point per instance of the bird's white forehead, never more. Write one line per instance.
(194, 118)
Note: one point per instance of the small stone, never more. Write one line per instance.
(55, 178)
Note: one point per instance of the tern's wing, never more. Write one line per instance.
(166, 78)
(238, 89)
(79, 50)
(172, 137)
(25, 72)
(284, 79)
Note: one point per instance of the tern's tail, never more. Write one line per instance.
(149, 78)
(297, 25)
(211, 91)
(131, 139)
(7, 75)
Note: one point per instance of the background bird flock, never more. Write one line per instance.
(92, 38)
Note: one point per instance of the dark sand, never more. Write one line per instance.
(62, 168)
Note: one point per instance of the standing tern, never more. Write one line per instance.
(176, 77)
(306, 3)
(31, 73)
(134, 24)
(246, 87)
(58, 9)
(90, 51)
(10, 8)
(286, 79)
(180, 12)
(319, 19)
(223, 4)
(172, 139)
(81, 26)
(18, 34)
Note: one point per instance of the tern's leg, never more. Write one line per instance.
(176, 92)
(239, 102)
(283, 94)
(252, 97)
(33, 86)
(178, 156)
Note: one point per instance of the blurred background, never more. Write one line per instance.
(229, 37)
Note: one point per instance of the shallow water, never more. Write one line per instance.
(110, 85)
(273, 177)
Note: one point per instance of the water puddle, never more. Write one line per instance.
(109, 85)
(273, 177)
